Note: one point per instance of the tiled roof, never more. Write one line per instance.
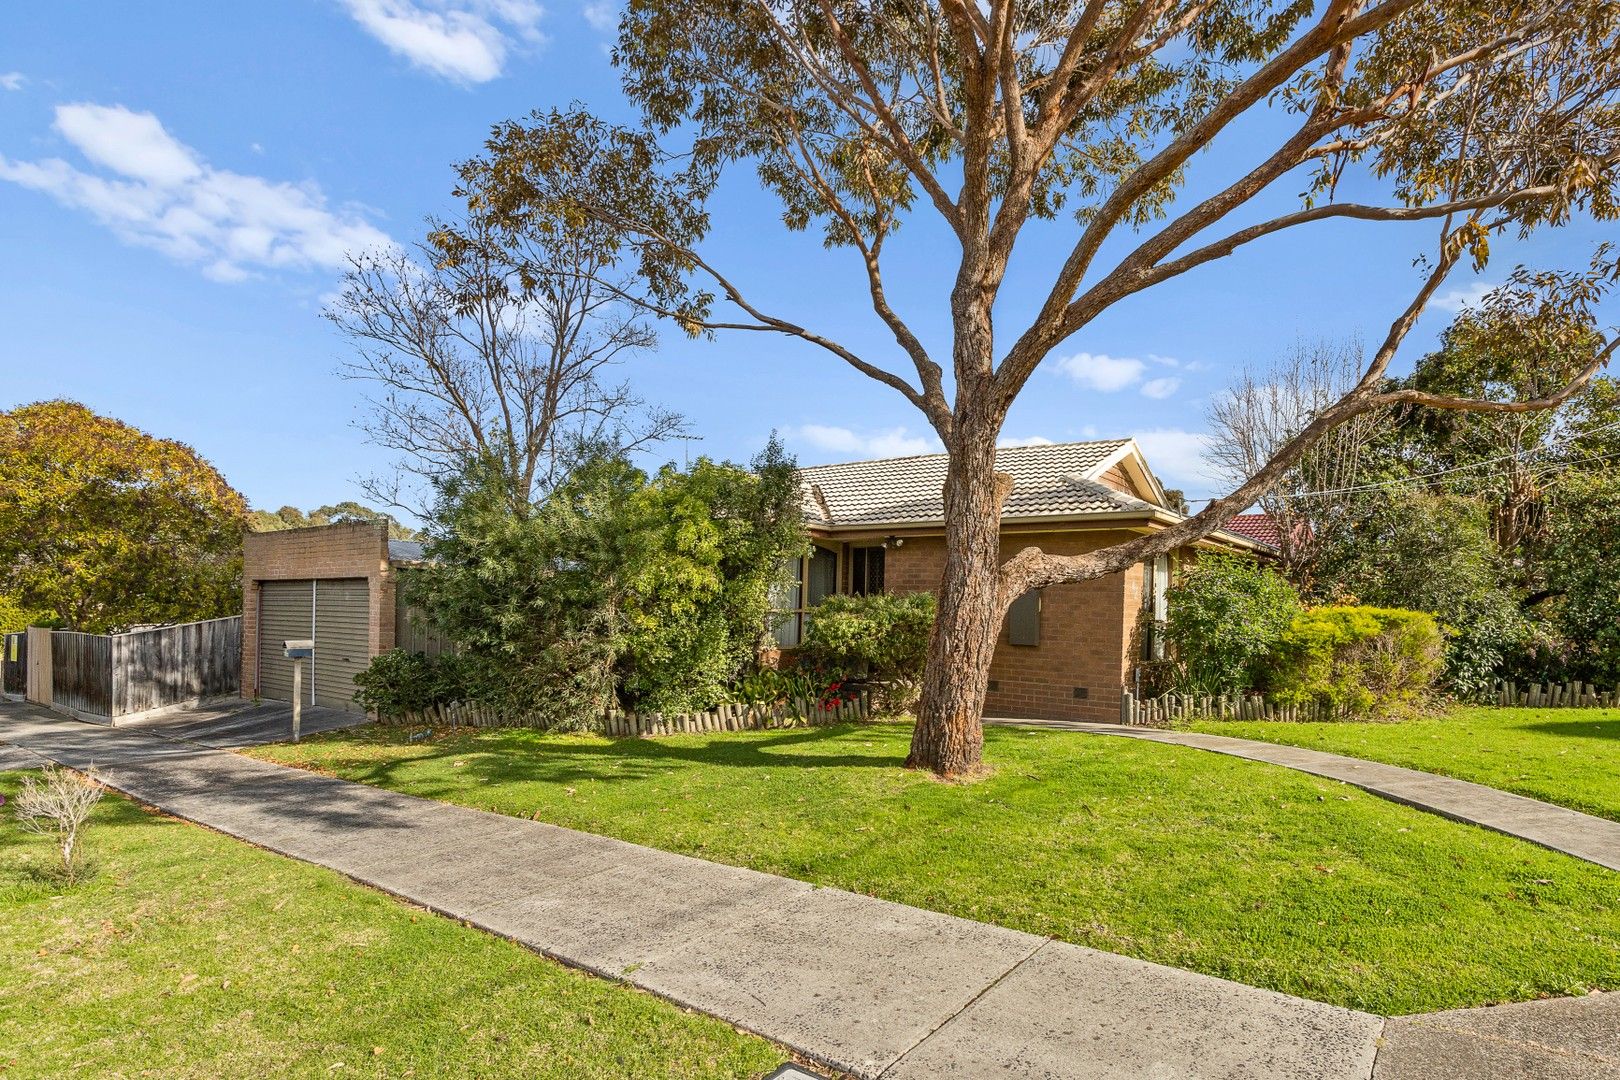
(1264, 528)
(1053, 480)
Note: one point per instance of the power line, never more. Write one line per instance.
(1382, 484)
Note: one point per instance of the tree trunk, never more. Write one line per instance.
(949, 736)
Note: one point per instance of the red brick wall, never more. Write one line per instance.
(1086, 630)
(327, 551)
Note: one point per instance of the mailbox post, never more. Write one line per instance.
(298, 650)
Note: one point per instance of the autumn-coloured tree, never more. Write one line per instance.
(106, 526)
(1082, 118)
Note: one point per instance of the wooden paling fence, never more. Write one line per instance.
(14, 663)
(1166, 710)
(619, 723)
(82, 672)
(1569, 695)
(108, 678)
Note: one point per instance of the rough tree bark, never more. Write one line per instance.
(948, 737)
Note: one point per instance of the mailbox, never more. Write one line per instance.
(298, 649)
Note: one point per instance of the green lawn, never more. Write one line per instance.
(1224, 866)
(194, 955)
(1565, 756)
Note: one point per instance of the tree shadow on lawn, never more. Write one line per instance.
(1584, 729)
(540, 758)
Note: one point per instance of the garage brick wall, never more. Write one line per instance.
(1087, 630)
(327, 551)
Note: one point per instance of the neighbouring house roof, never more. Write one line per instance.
(405, 551)
(1263, 528)
(1056, 480)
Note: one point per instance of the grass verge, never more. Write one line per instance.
(1229, 867)
(190, 954)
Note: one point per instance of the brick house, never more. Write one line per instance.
(1066, 652)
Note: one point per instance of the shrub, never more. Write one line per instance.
(1358, 661)
(1227, 613)
(398, 682)
(57, 804)
(883, 639)
(652, 590)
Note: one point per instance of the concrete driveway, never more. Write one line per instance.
(228, 725)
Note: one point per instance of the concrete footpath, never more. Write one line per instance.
(1595, 839)
(862, 985)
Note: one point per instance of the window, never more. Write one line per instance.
(866, 571)
(1155, 606)
(1024, 619)
(810, 581)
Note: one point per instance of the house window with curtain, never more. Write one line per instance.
(1155, 606)
(866, 571)
(811, 580)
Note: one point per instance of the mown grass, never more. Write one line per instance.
(190, 954)
(1565, 756)
(1223, 866)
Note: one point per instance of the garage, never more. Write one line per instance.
(333, 583)
(335, 613)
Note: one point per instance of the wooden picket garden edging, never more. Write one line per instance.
(800, 712)
(1569, 695)
(1167, 709)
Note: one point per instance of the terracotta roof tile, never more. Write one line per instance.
(1052, 480)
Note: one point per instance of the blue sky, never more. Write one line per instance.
(178, 183)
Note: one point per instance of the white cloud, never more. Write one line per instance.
(1159, 389)
(1177, 457)
(603, 15)
(466, 41)
(163, 195)
(126, 142)
(1099, 371)
(13, 80)
(1464, 296)
(1026, 440)
(889, 442)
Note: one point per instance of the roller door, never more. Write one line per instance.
(335, 613)
(286, 611)
(342, 640)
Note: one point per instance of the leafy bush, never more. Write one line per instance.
(649, 590)
(398, 682)
(1227, 614)
(1432, 553)
(1358, 661)
(880, 638)
(1584, 578)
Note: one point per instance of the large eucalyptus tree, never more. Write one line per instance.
(1081, 117)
